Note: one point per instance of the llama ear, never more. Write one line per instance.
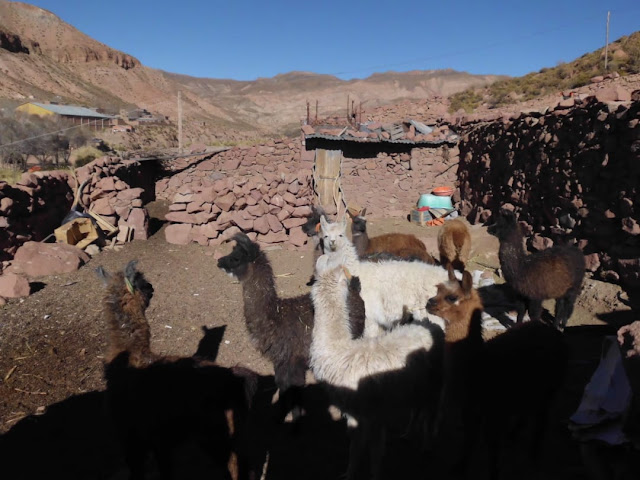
(242, 240)
(318, 227)
(467, 282)
(363, 212)
(103, 275)
(130, 275)
(452, 273)
(351, 214)
(323, 222)
(347, 273)
(343, 224)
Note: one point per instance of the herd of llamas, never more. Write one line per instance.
(394, 336)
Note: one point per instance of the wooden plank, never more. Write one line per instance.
(327, 176)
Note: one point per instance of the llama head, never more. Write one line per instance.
(455, 300)
(505, 224)
(358, 222)
(244, 253)
(312, 226)
(129, 283)
(334, 235)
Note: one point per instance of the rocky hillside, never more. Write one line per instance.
(42, 57)
(623, 59)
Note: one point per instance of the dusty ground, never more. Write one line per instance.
(52, 346)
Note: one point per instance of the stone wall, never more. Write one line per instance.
(264, 191)
(572, 173)
(37, 204)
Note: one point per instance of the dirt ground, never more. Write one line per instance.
(52, 345)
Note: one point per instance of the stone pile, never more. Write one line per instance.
(572, 173)
(378, 132)
(264, 191)
(111, 197)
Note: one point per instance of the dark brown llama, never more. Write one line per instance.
(402, 245)
(497, 393)
(160, 403)
(556, 272)
(454, 244)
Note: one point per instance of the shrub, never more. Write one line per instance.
(84, 155)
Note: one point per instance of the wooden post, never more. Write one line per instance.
(308, 113)
(348, 117)
(316, 111)
(606, 47)
(179, 121)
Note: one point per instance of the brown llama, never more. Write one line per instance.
(158, 404)
(498, 392)
(402, 245)
(454, 244)
(556, 272)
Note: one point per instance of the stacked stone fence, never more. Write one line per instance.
(572, 174)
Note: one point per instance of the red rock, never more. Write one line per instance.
(630, 226)
(198, 148)
(256, 210)
(283, 214)
(174, 207)
(130, 194)
(277, 200)
(229, 233)
(274, 223)
(102, 207)
(294, 187)
(14, 286)
(303, 211)
(541, 243)
(307, 130)
(289, 198)
(297, 237)
(36, 259)
(194, 207)
(178, 234)
(139, 221)
(592, 262)
(6, 205)
(293, 222)
(107, 184)
(225, 202)
(261, 225)
(211, 230)
(273, 237)
(240, 221)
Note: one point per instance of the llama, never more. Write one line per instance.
(454, 244)
(375, 379)
(556, 272)
(389, 289)
(157, 403)
(499, 386)
(280, 328)
(312, 229)
(401, 245)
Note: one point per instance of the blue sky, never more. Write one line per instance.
(244, 40)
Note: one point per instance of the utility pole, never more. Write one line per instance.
(606, 47)
(179, 121)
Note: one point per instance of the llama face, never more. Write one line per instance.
(333, 235)
(236, 264)
(505, 224)
(451, 297)
(358, 222)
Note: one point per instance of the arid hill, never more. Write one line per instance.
(42, 57)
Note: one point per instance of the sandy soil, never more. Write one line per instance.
(52, 346)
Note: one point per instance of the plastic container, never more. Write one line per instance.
(434, 201)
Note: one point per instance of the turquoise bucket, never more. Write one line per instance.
(434, 201)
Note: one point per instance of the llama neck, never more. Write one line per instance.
(360, 242)
(467, 326)
(331, 326)
(511, 255)
(350, 257)
(259, 295)
(128, 327)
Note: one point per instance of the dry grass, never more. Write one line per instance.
(10, 175)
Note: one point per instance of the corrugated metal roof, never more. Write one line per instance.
(71, 110)
(375, 140)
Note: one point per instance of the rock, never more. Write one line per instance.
(303, 211)
(228, 234)
(225, 202)
(261, 225)
(297, 237)
(6, 205)
(102, 207)
(139, 221)
(273, 237)
(592, 262)
(630, 226)
(178, 234)
(307, 130)
(239, 220)
(107, 184)
(130, 194)
(92, 250)
(541, 243)
(14, 286)
(291, 223)
(36, 259)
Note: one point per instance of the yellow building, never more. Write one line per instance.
(75, 115)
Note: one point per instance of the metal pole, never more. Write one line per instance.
(606, 47)
(179, 121)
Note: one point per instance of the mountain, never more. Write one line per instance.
(43, 58)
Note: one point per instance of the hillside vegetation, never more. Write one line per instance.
(624, 58)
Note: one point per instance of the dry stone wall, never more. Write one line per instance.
(264, 191)
(572, 173)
